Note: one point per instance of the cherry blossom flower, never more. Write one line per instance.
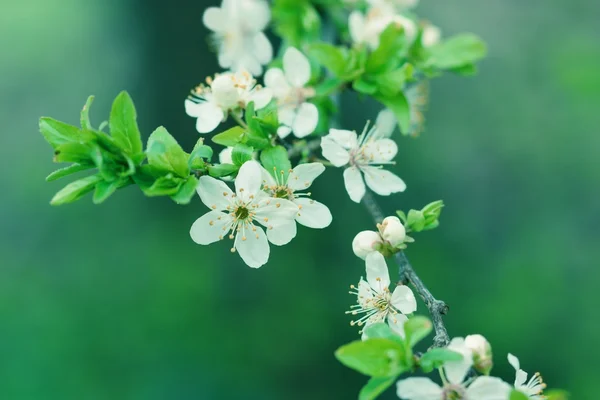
(366, 29)
(238, 34)
(227, 92)
(455, 382)
(482, 353)
(363, 155)
(237, 214)
(289, 88)
(375, 302)
(311, 213)
(389, 232)
(532, 388)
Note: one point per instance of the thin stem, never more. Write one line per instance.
(437, 308)
(239, 120)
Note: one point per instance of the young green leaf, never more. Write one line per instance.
(167, 185)
(415, 221)
(75, 190)
(556, 394)
(230, 137)
(377, 357)
(391, 42)
(105, 189)
(456, 52)
(416, 329)
(361, 85)
(220, 170)
(275, 160)
(71, 169)
(516, 395)
(123, 126)
(435, 358)
(241, 153)
(381, 330)
(58, 133)
(328, 56)
(74, 152)
(186, 191)
(375, 387)
(399, 106)
(164, 152)
(198, 157)
(85, 114)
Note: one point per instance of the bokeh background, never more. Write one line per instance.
(116, 301)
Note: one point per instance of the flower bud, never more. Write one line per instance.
(225, 156)
(482, 353)
(392, 231)
(224, 90)
(366, 242)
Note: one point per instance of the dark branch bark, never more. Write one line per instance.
(437, 308)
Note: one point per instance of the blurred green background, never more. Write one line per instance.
(116, 301)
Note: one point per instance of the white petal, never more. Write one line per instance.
(211, 227)
(378, 275)
(332, 151)
(191, 108)
(386, 123)
(225, 156)
(418, 389)
(256, 14)
(303, 175)
(275, 80)
(296, 67)
(282, 233)
(307, 118)
(274, 212)
(262, 50)
(209, 117)
(355, 186)
(396, 322)
(356, 25)
(248, 180)
(514, 361)
(284, 131)
(267, 178)
(520, 378)
(365, 294)
(287, 115)
(404, 299)
(215, 19)
(255, 249)
(215, 194)
(312, 213)
(488, 388)
(261, 97)
(380, 151)
(347, 139)
(383, 182)
(457, 370)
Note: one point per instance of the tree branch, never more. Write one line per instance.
(437, 308)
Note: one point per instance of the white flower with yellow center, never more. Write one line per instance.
(238, 34)
(456, 385)
(532, 388)
(288, 86)
(227, 92)
(236, 215)
(363, 155)
(366, 29)
(311, 213)
(375, 302)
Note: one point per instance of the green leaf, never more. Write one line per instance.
(230, 137)
(435, 358)
(416, 329)
(167, 185)
(221, 170)
(268, 120)
(556, 394)
(399, 106)
(363, 86)
(328, 87)
(85, 114)
(415, 221)
(105, 189)
(71, 169)
(456, 52)
(186, 191)
(164, 152)
(123, 125)
(199, 154)
(58, 133)
(241, 153)
(275, 160)
(516, 395)
(75, 190)
(375, 387)
(391, 42)
(381, 330)
(402, 216)
(328, 56)
(392, 82)
(74, 152)
(377, 357)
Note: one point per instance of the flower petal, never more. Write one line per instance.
(355, 186)
(215, 194)
(345, 138)
(209, 117)
(248, 180)
(303, 175)
(312, 213)
(396, 323)
(210, 228)
(282, 233)
(273, 212)
(356, 25)
(267, 178)
(262, 50)
(419, 388)
(332, 151)
(225, 156)
(488, 388)
(378, 275)
(254, 250)
(191, 108)
(520, 378)
(514, 361)
(383, 182)
(296, 67)
(307, 118)
(457, 370)
(386, 123)
(287, 115)
(215, 19)
(275, 80)
(404, 299)
(284, 131)
(381, 151)
(365, 294)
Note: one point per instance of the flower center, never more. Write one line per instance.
(242, 213)
(453, 392)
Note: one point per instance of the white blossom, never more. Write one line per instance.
(289, 88)
(431, 35)
(227, 92)
(456, 385)
(532, 388)
(366, 242)
(482, 352)
(225, 156)
(363, 155)
(238, 34)
(375, 302)
(399, 5)
(366, 29)
(392, 231)
(311, 213)
(237, 213)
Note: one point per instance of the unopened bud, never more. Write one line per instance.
(366, 242)
(482, 353)
(225, 156)
(392, 231)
